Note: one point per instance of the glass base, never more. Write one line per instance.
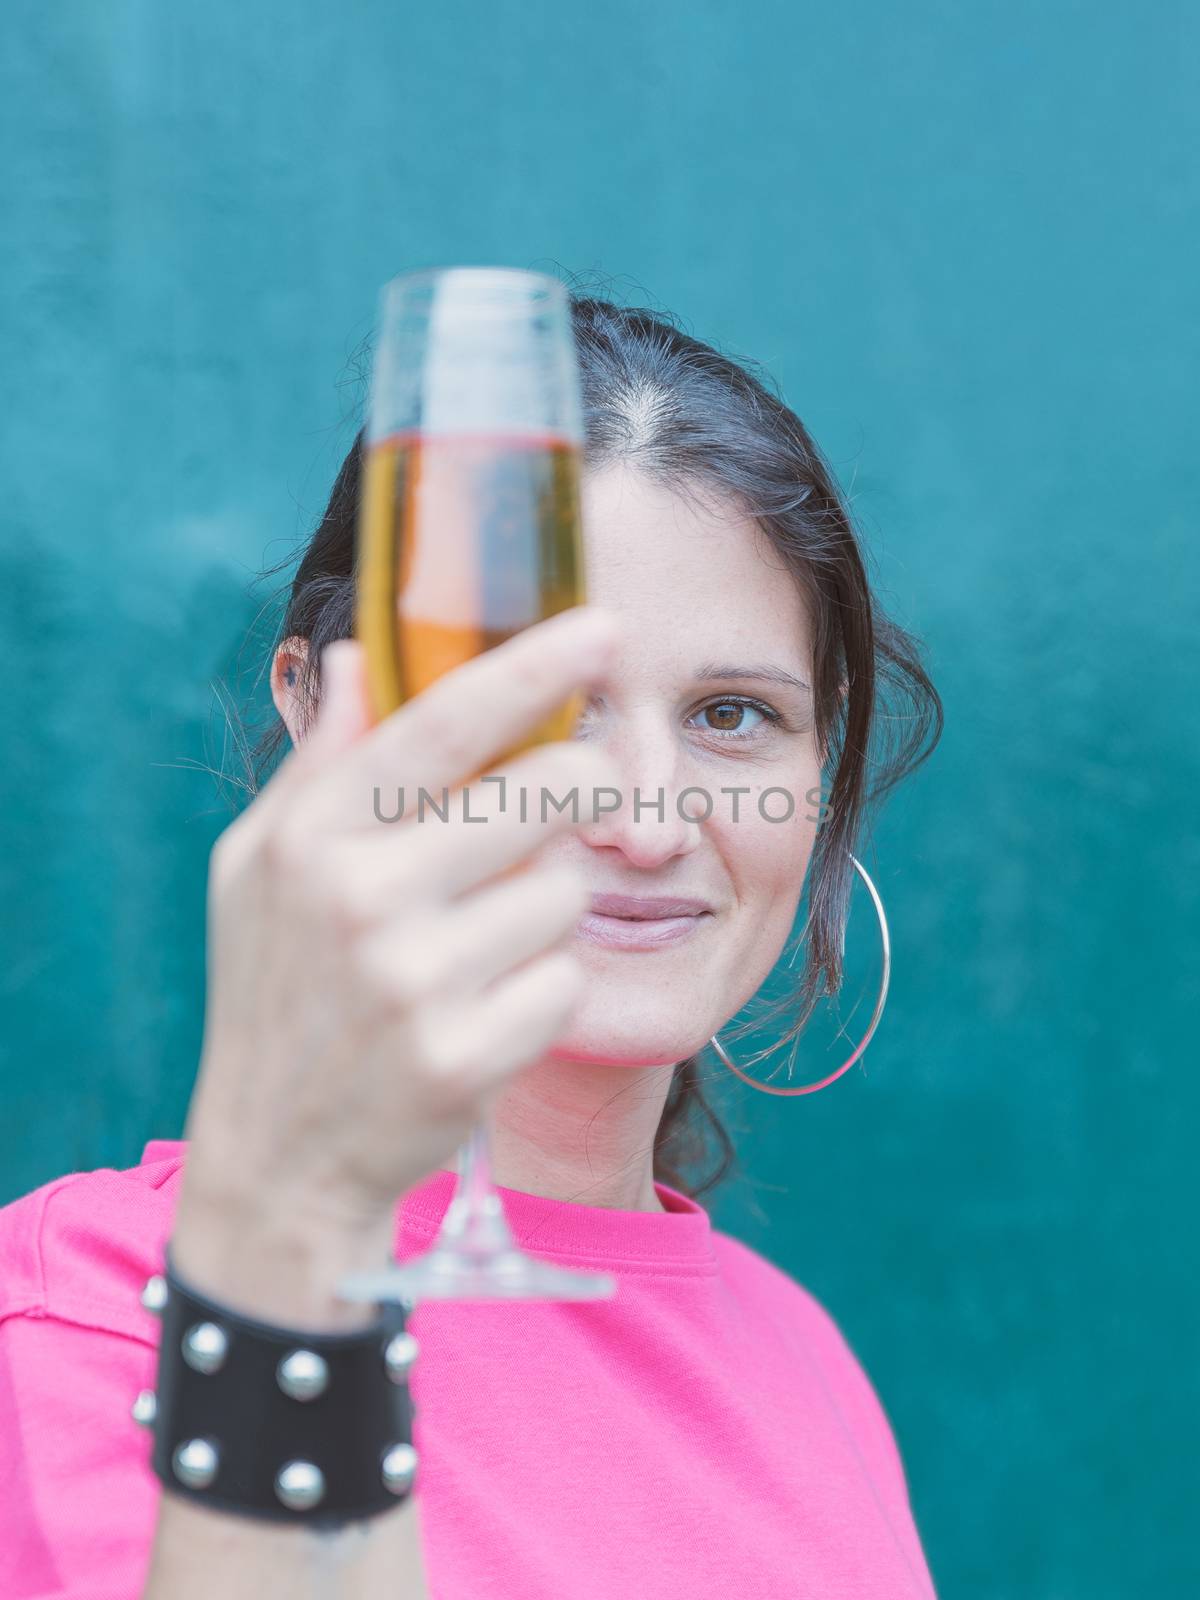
(475, 1257)
(442, 1274)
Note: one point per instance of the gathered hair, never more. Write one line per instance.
(688, 416)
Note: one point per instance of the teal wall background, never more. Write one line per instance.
(964, 239)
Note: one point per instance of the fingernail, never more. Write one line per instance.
(333, 673)
(596, 636)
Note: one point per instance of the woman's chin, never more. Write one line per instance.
(626, 1046)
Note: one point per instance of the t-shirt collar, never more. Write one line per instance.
(675, 1239)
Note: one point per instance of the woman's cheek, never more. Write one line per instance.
(771, 862)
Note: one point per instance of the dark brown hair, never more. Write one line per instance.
(687, 415)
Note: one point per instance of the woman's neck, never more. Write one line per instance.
(572, 1130)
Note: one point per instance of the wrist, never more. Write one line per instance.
(279, 1266)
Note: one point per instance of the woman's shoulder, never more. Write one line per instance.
(756, 1276)
(80, 1247)
(800, 1319)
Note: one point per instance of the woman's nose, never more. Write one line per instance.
(649, 817)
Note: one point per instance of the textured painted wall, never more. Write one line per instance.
(964, 239)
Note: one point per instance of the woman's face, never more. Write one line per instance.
(712, 620)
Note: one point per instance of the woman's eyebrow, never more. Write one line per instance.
(766, 674)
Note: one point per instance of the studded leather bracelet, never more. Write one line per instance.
(275, 1423)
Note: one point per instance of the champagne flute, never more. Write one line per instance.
(469, 530)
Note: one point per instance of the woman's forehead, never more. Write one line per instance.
(694, 564)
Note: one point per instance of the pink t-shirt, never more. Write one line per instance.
(706, 1432)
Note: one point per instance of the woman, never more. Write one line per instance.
(373, 991)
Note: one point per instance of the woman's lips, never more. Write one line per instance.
(622, 933)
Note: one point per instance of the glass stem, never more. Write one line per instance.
(474, 1223)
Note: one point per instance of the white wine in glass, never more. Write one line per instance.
(469, 530)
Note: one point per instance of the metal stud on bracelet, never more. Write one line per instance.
(300, 1485)
(304, 1375)
(205, 1346)
(399, 1468)
(145, 1408)
(195, 1462)
(400, 1355)
(154, 1295)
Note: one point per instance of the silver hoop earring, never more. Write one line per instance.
(809, 1088)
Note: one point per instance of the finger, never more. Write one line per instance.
(513, 1023)
(343, 710)
(472, 944)
(478, 712)
(458, 841)
(343, 715)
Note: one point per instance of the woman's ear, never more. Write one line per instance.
(286, 668)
